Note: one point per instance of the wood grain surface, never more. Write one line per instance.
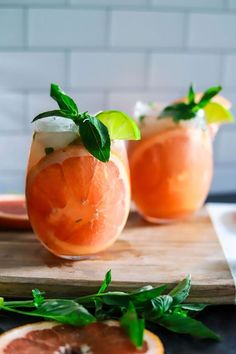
(144, 254)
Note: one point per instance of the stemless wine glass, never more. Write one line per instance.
(77, 184)
(171, 169)
(77, 205)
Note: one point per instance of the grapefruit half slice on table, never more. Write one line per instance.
(95, 338)
(13, 214)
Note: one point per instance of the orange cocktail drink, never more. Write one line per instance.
(77, 196)
(172, 166)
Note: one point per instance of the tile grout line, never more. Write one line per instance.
(67, 58)
(25, 27)
(148, 7)
(186, 30)
(226, 5)
(222, 68)
(120, 49)
(107, 34)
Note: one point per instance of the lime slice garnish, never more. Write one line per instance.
(216, 113)
(119, 125)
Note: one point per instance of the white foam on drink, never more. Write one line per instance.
(152, 124)
(55, 124)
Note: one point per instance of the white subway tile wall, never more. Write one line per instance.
(108, 54)
(107, 70)
(176, 70)
(212, 31)
(53, 28)
(191, 4)
(11, 27)
(147, 29)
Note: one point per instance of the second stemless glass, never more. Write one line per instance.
(171, 169)
(77, 205)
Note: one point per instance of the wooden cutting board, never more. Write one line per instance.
(144, 254)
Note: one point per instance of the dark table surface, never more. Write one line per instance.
(221, 319)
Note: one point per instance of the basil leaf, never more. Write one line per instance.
(38, 297)
(48, 150)
(179, 111)
(191, 95)
(147, 294)
(185, 324)
(133, 326)
(65, 311)
(208, 95)
(116, 298)
(181, 291)
(105, 283)
(95, 137)
(160, 305)
(193, 307)
(56, 113)
(64, 102)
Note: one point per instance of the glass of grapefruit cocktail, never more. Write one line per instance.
(172, 166)
(77, 187)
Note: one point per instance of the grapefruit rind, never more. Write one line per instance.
(13, 220)
(155, 345)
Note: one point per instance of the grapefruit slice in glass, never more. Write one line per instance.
(77, 204)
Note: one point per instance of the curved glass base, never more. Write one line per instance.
(165, 221)
(75, 258)
(154, 220)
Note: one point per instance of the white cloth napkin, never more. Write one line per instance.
(223, 217)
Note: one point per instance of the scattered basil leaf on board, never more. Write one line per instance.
(187, 325)
(132, 309)
(181, 291)
(106, 282)
(65, 311)
(160, 305)
(97, 131)
(133, 326)
(38, 297)
(147, 294)
(193, 307)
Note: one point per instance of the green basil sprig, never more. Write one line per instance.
(94, 134)
(185, 111)
(133, 309)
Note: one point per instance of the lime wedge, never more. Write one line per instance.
(119, 125)
(216, 113)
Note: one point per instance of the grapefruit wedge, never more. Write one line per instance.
(13, 214)
(96, 338)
